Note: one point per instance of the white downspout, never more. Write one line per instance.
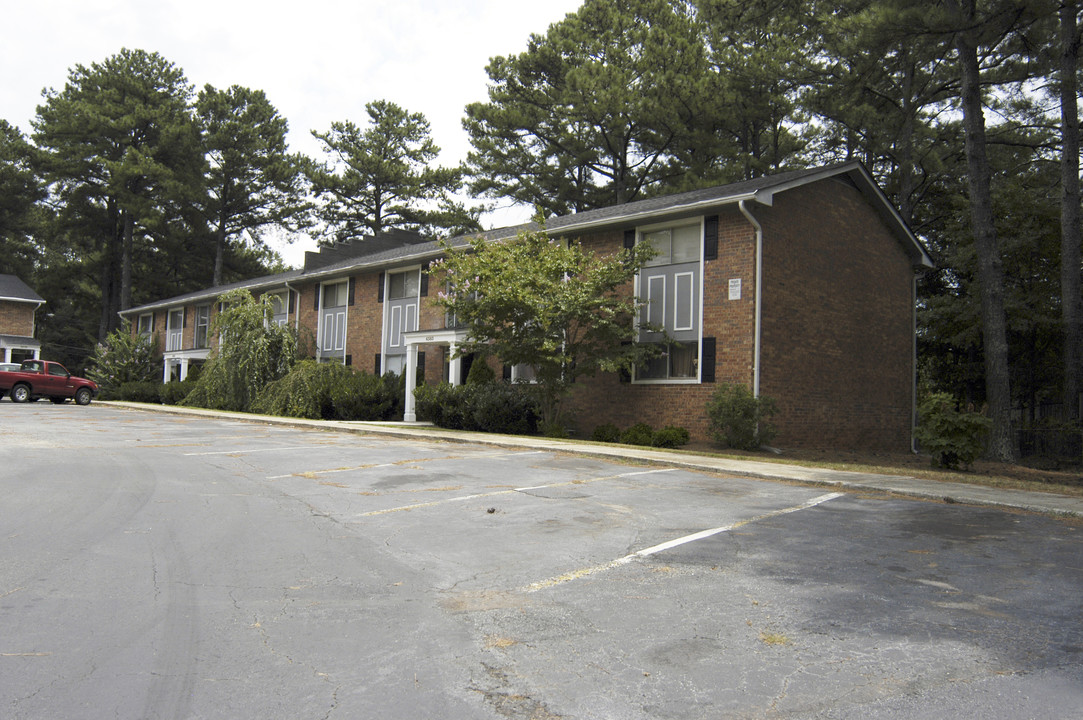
(914, 366)
(759, 297)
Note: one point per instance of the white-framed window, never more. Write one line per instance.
(524, 373)
(203, 326)
(280, 308)
(144, 324)
(333, 318)
(671, 286)
(174, 330)
(403, 293)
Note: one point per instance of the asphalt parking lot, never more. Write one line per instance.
(157, 566)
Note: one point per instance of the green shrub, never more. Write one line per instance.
(638, 434)
(607, 433)
(175, 391)
(304, 392)
(145, 391)
(738, 419)
(950, 435)
(331, 391)
(480, 373)
(123, 358)
(670, 437)
(500, 407)
(360, 396)
(489, 407)
(441, 404)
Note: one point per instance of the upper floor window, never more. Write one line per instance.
(670, 285)
(403, 285)
(144, 324)
(174, 330)
(203, 324)
(280, 307)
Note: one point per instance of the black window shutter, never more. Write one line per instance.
(349, 360)
(316, 299)
(420, 380)
(507, 372)
(184, 318)
(624, 375)
(349, 291)
(380, 289)
(707, 361)
(425, 280)
(377, 366)
(629, 239)
(291, 305)
(710, 238)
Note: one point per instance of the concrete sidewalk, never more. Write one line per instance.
(897, 484)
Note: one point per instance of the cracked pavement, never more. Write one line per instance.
(184, 567)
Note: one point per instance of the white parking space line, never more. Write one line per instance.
(646, 552)
(416, 506)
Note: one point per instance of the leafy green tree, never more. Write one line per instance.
(252, 181)
(381, 177)
(119, 141)
(124, 357)
(20, 195)
(757, 63)
(589, 114)
(252, 353)
(546, 303)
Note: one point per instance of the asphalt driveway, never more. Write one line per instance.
(158, 566)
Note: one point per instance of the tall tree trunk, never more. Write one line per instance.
(125, 265)
(1070, 268)
(219, 252)
(107, 277)
(990, 270)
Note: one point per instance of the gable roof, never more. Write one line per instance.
(340, 260)
(15, 290)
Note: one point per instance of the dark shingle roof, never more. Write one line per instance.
(341, 260)
(12, 288)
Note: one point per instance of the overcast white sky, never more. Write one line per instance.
(317, 60)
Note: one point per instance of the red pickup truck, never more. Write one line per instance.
(41, 378)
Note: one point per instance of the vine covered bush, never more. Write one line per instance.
(331, 391)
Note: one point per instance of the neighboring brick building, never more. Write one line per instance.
(18, 303)
(830, 338)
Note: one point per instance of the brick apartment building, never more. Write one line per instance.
(799, 285)
(18, 303)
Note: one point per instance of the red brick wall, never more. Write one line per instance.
(16, 318)
(364, 321)
(604, 399)
(837, 321)
(837, 328)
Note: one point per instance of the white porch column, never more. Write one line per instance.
(454, 365)
(184, 369)
(165, 370)
(409, 413)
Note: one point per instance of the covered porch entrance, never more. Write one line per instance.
(451, 339)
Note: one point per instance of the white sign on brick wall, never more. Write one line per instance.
(735, 288)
